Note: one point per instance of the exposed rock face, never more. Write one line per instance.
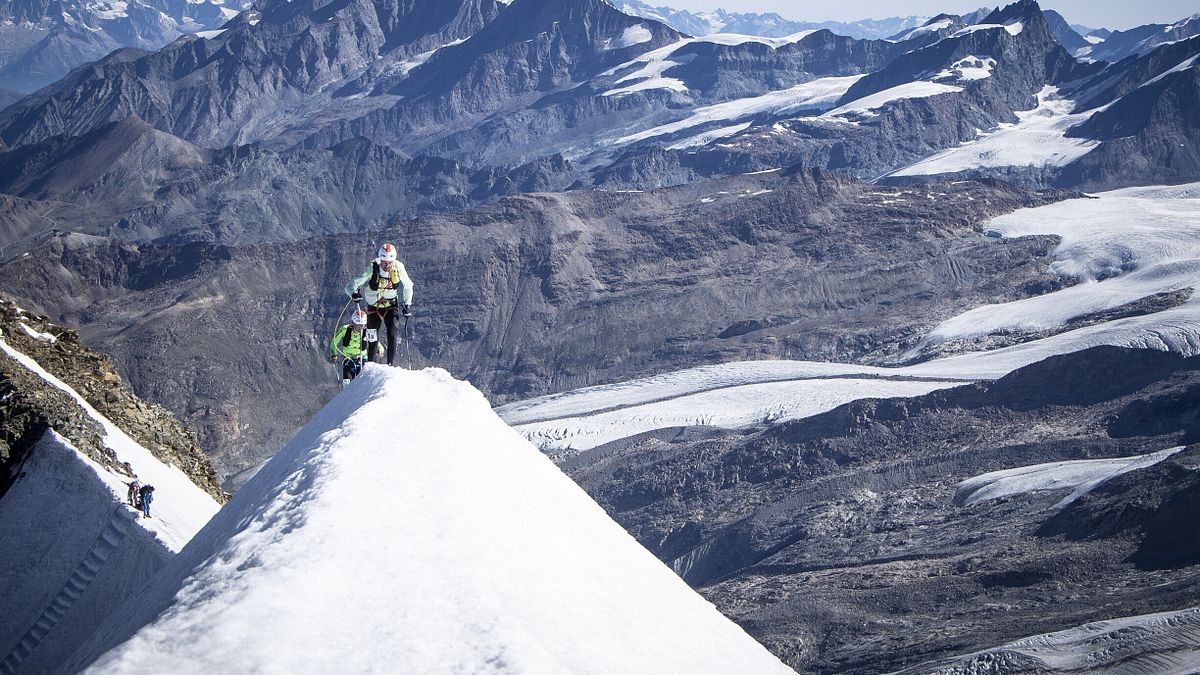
(1151, 131)
(7, 98)
(486, 85)
(1063, 33)
(219, 92)
(545, 292)
(32, 406)
(839, 542)
(141, 184)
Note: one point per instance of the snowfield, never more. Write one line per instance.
(1122, 245)
(863, 106)
(1167, 643)
(453, 547)
(1125, 244)
(1037, 139)
(1082, 475)
(814, 95)
(182, 508)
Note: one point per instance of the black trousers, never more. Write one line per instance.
(389, 317)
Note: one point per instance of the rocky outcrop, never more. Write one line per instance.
(831, 536)
(33, 406)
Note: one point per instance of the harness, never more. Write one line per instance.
(381, 283)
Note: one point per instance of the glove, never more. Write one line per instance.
(357, 297)
(406, 310)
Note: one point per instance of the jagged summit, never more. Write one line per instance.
(407, 529)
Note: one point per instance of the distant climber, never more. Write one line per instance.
(134, 487)
(347, 345)
(386, 284)
(146, 495)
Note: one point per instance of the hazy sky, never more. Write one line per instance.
(1114, 14)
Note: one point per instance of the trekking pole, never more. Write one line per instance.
(408, 343)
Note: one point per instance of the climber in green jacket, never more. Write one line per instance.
(384, 284)
(347, 345)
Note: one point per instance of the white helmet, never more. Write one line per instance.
(387, 252)
(358, 318)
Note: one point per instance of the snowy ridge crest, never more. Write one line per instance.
(407, 516)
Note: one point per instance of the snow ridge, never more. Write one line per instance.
(406, 516)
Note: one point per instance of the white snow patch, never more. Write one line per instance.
(455, 547)
(1012, 28)
(880, 99)
(38, 334)
(734, 39)
(1163, 643)
(1038, 139)
(968, 68)
(634, 35)
(1093, 39)
(210, 34)
(1122, 245)
(709, 136)
(814, 95)
(651, 65)
(729, 408)
(403, 68)
(1082, 476)
(759, 173)
(116, 9)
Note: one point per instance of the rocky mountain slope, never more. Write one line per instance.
(74, 548)
(32, 407)
(849, 542)
(521, 296)
(1137, 41)
(625, 101)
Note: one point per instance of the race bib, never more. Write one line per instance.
(372, 335)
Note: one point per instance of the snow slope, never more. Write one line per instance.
(1037, 139)
(1141, 241)
(407, 529)
(1122, 245)
(862, 106)
(1167, 643)
(1082, 475)
(72, 550)
(181, 508)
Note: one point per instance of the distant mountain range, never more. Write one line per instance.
(41, 41)
(767, 24)
(300, 120)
